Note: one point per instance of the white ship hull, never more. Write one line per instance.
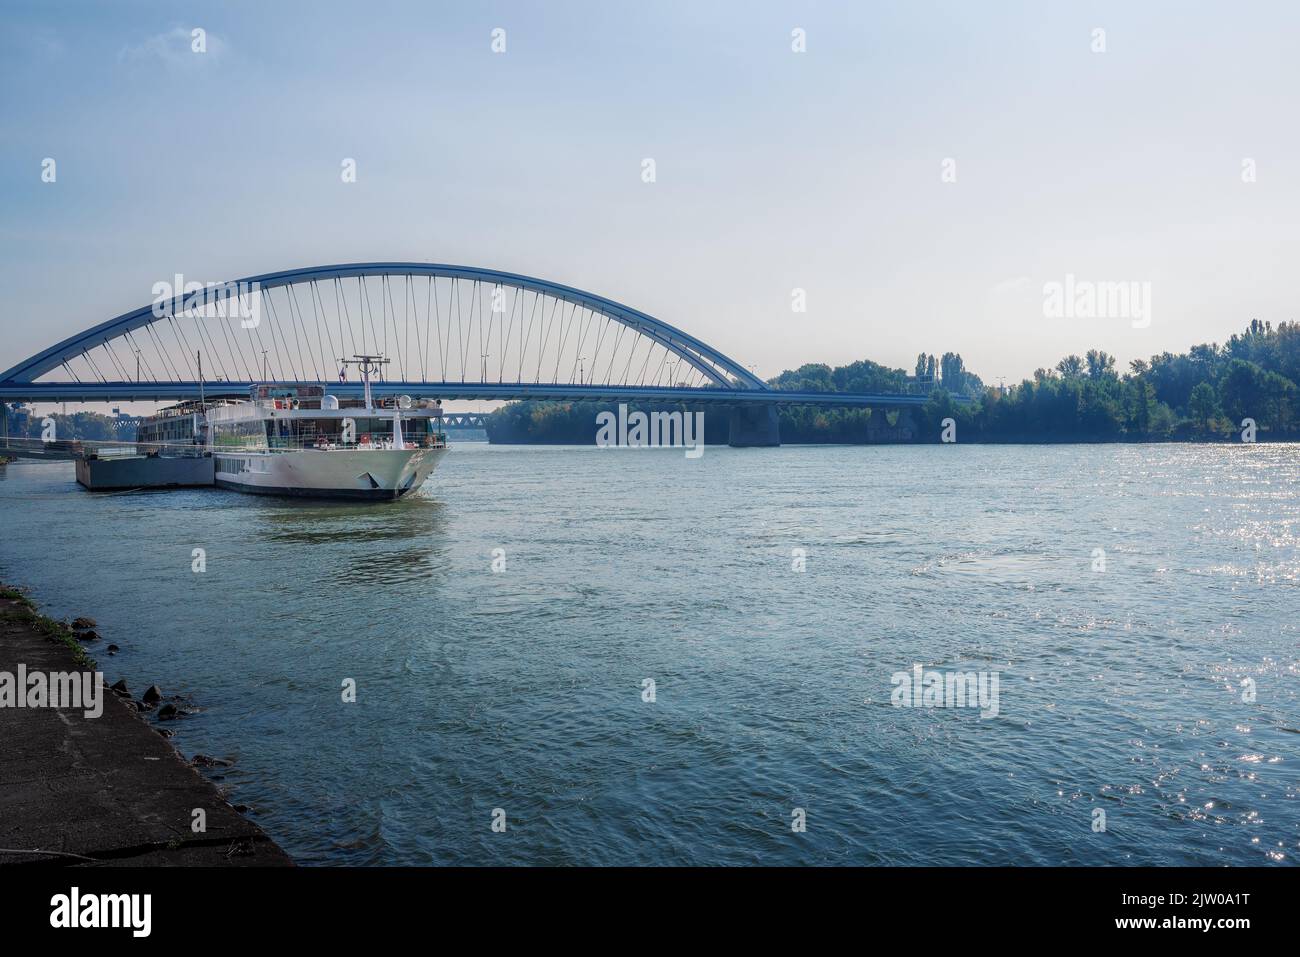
(373, 474)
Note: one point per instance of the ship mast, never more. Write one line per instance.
(366, 364)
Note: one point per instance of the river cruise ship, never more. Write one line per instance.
(294, 439)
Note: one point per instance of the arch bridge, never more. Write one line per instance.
(450, 332)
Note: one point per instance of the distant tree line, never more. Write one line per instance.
(21, 422)
(1204, 393)
(947, 371)
(574, 423)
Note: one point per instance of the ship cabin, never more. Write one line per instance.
(293, 417)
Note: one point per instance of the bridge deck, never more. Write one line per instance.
(176, 391)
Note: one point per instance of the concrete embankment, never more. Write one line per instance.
(79, 789)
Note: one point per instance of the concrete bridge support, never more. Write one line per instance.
(754, 426)
(906, 425)
(879, 429)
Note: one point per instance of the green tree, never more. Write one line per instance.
(1240, 391)
(1203, 405)
(1100, 364)
(1070, 367)
(1278, 394)
(1139, 403)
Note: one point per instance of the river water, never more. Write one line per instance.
(1156, 680)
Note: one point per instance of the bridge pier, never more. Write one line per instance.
(754, 426)
(879, 429)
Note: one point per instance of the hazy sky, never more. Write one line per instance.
(775, 170)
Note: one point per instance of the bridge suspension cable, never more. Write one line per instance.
(448, 324)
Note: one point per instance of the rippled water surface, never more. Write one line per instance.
(1119, 690)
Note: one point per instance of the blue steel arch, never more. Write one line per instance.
(722, 371)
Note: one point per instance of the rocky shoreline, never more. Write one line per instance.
(87, 786)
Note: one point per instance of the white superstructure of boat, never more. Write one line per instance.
(293, 439)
